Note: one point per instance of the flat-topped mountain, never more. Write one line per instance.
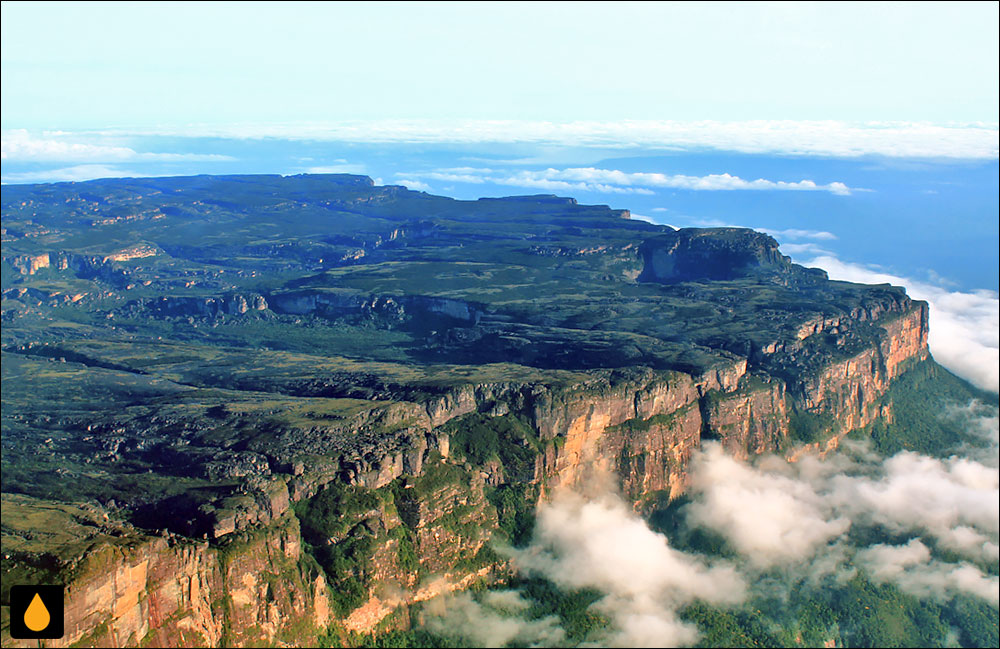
(352, 386)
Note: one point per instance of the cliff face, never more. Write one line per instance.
(645, 430)
(176, 592)
(848, 388)
(713, 254)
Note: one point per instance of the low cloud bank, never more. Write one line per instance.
(776, 513)
(598, 543)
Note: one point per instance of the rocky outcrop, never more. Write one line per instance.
(749, 421)
(29, 264)
(202, 307)
(535, 361)
(692, 254)
(337, 303)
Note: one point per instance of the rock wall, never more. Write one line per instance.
(849, 388)
(645, 430)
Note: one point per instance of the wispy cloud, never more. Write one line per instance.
(795, 234)
(75, 173)
(591, 179)
(803, 249)
(409, 183)
(912, 568)
(811, 138)
(492, 622)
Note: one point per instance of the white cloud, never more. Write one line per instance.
(769, 514)
(911, 567)
(964, 327)
(796, 516)
(711, 182)
(793, 234)
(818, 138)
(620, 182)
(601, 543)
(19, 145)
(414, 184)
(953, 500)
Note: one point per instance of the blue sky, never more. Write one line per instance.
(143, 65)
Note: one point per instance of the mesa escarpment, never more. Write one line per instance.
(294, 434)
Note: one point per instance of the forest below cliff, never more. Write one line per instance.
(283, 410)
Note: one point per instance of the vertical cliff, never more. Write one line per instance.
(256, 588)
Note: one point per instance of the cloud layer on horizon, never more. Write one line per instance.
(613, 181)
(76, 173)
(812, 138)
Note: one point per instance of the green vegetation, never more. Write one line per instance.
(417, 638)
(436, 476)
(335, 509)
(722, 628)
(515, 505)
(341, 527)
(809, 427)
(925, 404)
(406, 553)
(507, 439)
(573, 608)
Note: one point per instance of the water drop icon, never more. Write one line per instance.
(36, 616)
